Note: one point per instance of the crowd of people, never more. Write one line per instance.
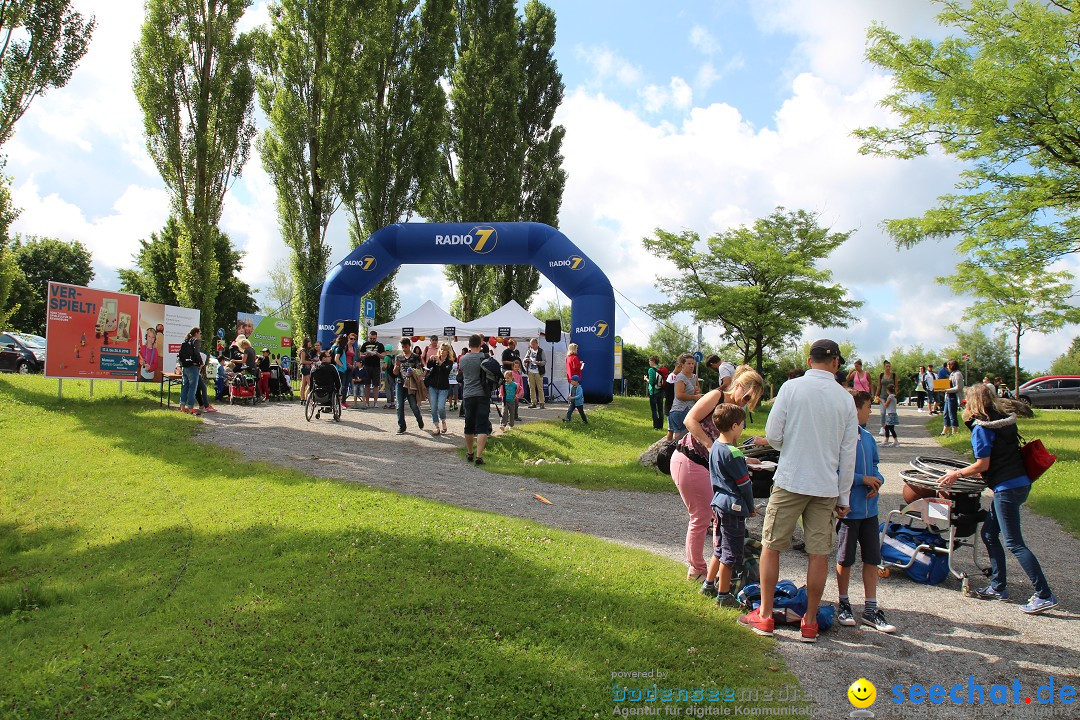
(827, 479)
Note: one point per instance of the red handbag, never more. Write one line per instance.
(1037, 459)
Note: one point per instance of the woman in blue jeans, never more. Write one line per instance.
(438, 382)
(952, 398)
(996, 443)
(190, 360)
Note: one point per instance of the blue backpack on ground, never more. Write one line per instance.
(788, 599)
(898, 546)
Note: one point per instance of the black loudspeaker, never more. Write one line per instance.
(553, 330)
(350, 326)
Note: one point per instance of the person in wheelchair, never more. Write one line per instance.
(325, 381)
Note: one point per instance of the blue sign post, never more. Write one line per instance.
(369, 311)
(699, 356)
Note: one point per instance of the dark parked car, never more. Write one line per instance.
(1053, 391)
(22, 352)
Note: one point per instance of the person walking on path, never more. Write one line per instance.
(885, 378)
(535, 367)
(371, 355)
(407, 373)
(438, 381)
(476, 401)
(995, 441)
(814, 426)
(952, 398)
(655, 384)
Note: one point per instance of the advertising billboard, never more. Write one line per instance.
(268, 332)
(161, 330)
(91, 334)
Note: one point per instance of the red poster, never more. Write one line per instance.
(91, 334)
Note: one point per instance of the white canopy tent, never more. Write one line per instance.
(427, 320)
(514, 321)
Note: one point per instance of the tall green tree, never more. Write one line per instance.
(155, 269)
(1068, 363)
(279, 290)
(542, 176)
(1000, 94)
(1012, 291)
(759, 283)
(392, 151)
(502, 159)
(39, 260)
(194, 81)
(41, 43)
(313, 74)
(991, 353)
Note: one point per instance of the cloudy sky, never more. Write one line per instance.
(680, 115)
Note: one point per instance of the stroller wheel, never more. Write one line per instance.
(884, 572)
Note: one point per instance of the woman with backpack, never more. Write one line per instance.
(190, 362)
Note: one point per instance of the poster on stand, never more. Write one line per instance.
(161, 330)
(89, 333)
(266, 332)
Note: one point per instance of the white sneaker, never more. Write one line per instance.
(896, 443)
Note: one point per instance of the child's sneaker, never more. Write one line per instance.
(727, 600)
(708, 589)
(876, 619)
(845, 615)
(1037, 604)
(762, 626)
(808, 632)
(989, 593)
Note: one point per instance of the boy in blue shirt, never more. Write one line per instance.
(577, 400)
(733, 502)
(859, 528)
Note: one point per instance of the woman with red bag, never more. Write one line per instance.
(996, 443)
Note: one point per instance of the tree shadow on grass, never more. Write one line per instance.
(460, 615)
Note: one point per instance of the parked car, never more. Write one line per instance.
(1051, 391)
(22, 352)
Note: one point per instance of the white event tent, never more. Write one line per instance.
(427, 320)
(514, 321)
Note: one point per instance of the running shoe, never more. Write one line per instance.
(755, 622)
(989, 593)
(808, 632)
(876, 619)
(1036, 604)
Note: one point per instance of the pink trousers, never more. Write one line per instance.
(697, 494)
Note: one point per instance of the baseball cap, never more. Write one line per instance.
(576, 378)
(266, 349)
(826, 349)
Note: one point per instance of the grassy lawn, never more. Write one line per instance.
(1057, 493)
(602, 455)
(146, 575)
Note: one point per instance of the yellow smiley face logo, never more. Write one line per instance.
(862, 693)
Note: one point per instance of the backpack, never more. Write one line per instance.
(186, 356)
(490, 374)
(661, 378)
(898, 546)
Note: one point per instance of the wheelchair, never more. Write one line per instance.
(323, 399)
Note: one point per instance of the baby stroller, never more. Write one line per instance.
(761, 476)
(242, 388)
(325, 395)
(941, 521)
(279, 386)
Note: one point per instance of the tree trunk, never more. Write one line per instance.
(1016, 357)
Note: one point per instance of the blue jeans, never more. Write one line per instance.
(402, 394)
(437, 399)
(951, 403)
(1004, 520)
(189, 386)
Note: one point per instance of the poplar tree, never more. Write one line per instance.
(313, 74)
(194, 82)
(501, 161)
(392, 151)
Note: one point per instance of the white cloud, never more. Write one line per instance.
(678, 94)
(608, 65)
(703, 40)
(112, 239)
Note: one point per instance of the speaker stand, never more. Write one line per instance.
(555, 392)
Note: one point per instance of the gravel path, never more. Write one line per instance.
(943, 636)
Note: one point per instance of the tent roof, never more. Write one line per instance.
(522, 323)
(428, 319)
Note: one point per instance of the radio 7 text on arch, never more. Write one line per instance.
(542, 246)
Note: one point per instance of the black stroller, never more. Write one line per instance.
(279, 384)
(325, 395)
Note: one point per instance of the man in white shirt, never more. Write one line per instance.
(814, 426)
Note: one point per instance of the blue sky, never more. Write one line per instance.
(681, 115)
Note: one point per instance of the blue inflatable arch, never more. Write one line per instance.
(542, 246)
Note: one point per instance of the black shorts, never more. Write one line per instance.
(477, 415)
(861, 533)
(729, 538)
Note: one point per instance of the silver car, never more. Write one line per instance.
(1052, 392)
